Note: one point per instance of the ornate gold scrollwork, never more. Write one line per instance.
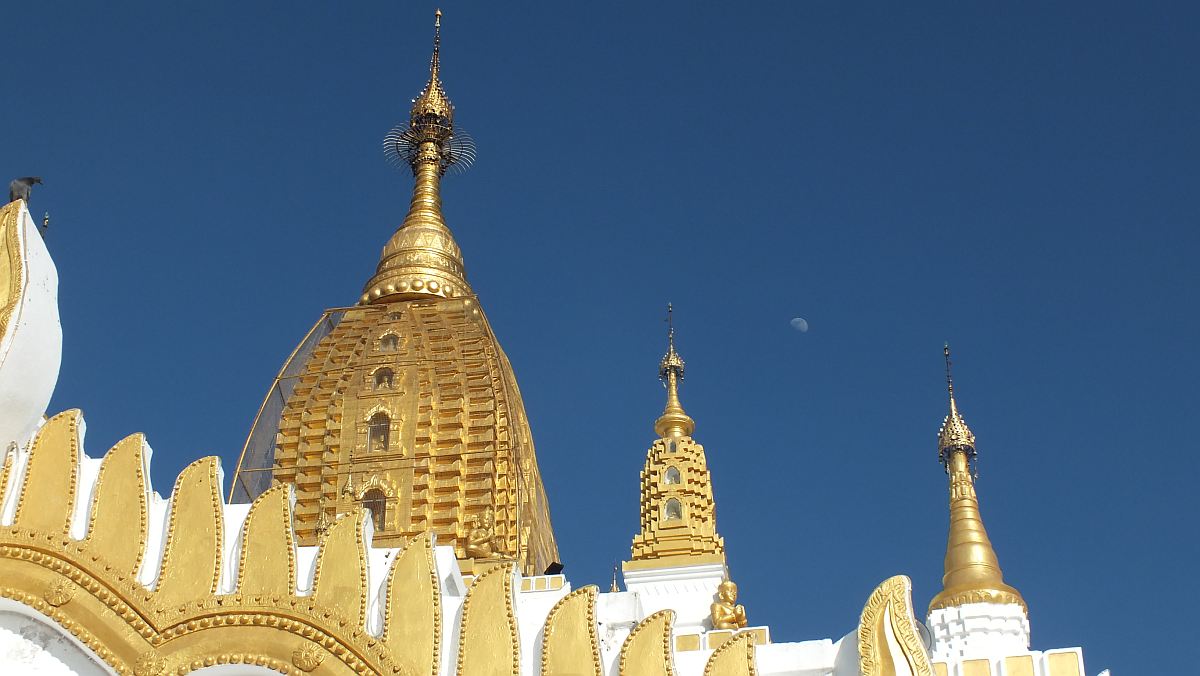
(888, 614)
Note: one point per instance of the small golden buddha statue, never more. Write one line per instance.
(726, 613)
(480, 536)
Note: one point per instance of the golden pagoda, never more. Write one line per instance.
(678, 515)
(406, 404)
(973, 572)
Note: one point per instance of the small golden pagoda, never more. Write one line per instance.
(678, 515)
(406, 404)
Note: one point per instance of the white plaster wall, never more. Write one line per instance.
(978, 630)
(31, 347)
(30, 644)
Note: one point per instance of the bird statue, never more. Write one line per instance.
(19, 189)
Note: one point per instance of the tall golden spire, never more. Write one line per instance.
(422, 259)
(973, 572)
(673, 422)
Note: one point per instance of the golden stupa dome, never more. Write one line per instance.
(405, 403)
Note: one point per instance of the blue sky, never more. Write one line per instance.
(1019, 179)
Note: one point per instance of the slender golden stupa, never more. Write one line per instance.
(678, 515)
(972, 570)
(406, 404)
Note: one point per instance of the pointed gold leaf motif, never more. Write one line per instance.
(340, 581)
(647, 650)
(118, 522)
(412, 625)
(47, 496)
(888, 614)
(733, 658)
(488, 643)
(570, 646)
(191, 564)
(268, 562)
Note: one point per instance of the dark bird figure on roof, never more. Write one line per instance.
(19, 189)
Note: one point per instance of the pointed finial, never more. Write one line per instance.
(674, 421)
(954, 434)
(434, 63)
(615, 588)
(432, 106)
(949, 375)
(670, 327)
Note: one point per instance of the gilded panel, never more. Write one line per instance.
(340, 580)
(47, 496)
(976, 668)
(1019, 665)
(735, 658)
(570, 646)
(119, 515)
(267, 566)
(488, 641)
(412, 623)
(647, 650)
(1063, 664)
(191, 565)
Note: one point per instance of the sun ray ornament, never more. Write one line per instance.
(429, 135)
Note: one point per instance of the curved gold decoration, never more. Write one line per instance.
(340, 579)
(488, 641)
(569, 644)
(117, 526)
(888, 615)
(735, 657)
(413, 617)
(267, 566)
(972, 569)
(53, 467)
(90, 588)
(647, 650)
(12, 273)
(191, 565)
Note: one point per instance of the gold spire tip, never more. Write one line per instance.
(674, 421)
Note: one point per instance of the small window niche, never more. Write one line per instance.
(672, 511)
(375, 501)
(389, 343)
(383, 379)
(378, 430)
(671, 476)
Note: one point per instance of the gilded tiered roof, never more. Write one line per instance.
(407, 405)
